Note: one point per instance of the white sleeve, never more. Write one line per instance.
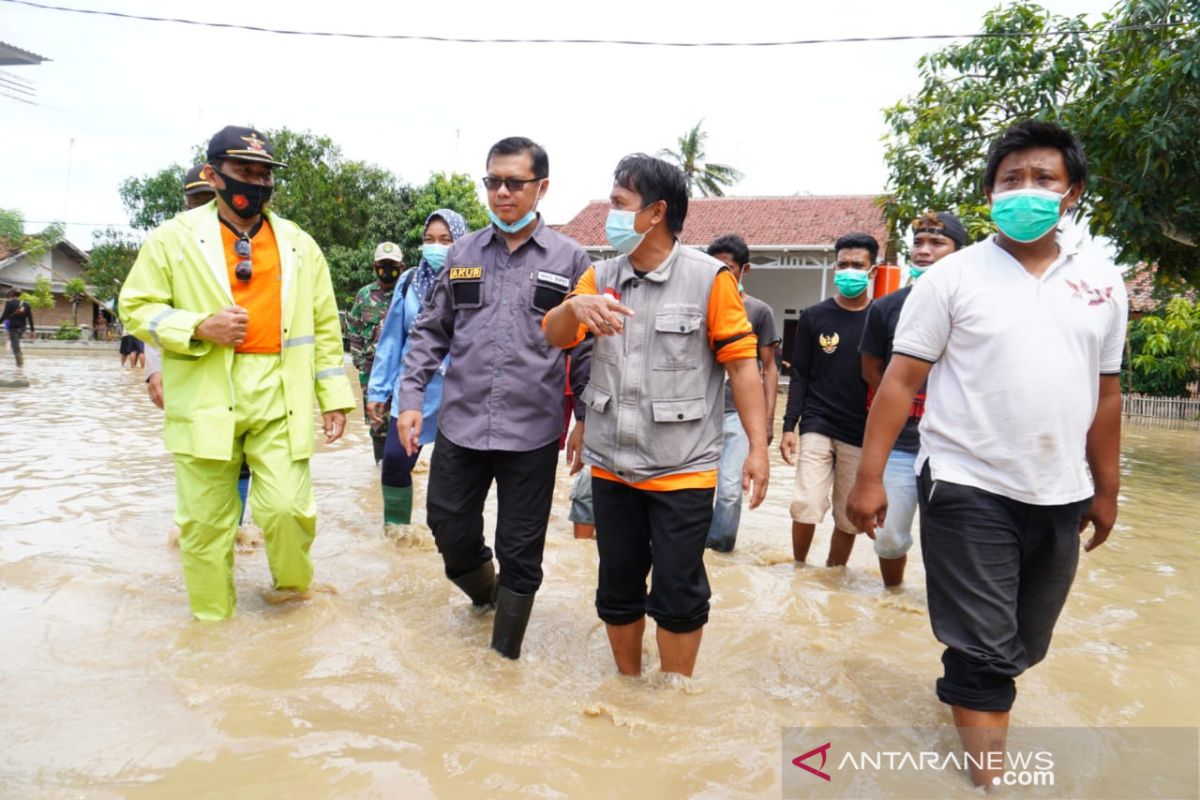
(153, 360)
(925, 321)
(1113, 348)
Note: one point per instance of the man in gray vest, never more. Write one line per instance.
(667, 318)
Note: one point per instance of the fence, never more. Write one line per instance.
(1171, 412)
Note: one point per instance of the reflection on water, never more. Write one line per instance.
(387, 687)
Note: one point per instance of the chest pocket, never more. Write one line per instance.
(549, 290)
(466, 287)
(678, 338)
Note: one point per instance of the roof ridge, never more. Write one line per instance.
(768, 197)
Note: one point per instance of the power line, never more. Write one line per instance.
(80, 224)
(20, 99)
(628, 42)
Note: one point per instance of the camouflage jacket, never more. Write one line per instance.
(363, 324)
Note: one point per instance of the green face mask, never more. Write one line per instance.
(1026, 215)
(851, 282)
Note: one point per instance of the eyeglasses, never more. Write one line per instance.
(245, 268)
(512, 184)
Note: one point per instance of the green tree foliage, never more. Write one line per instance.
(710, 178)
(109, 261)
(12, 225)
(456, 192)
(1165, 348)
(153, 199)
(1138, 113)
(42, 295)
(347, 206)
(12, 233)
(334, 199)
(1132, 97)
(937, 142)
(68, 332)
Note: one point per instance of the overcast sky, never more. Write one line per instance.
(135, 96)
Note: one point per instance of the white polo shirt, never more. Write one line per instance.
(1017, 365)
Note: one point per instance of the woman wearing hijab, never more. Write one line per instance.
(442, 228)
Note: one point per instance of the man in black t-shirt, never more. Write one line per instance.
(934, 236)
(828, 397)
(16, 315)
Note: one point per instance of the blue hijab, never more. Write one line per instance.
(426, 276)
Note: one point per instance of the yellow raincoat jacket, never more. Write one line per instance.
(180, 279)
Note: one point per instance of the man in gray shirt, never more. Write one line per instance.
(731, 250)
(502, 400)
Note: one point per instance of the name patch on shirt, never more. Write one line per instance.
(557, 280)
(466, 273)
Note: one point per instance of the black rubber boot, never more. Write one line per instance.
(512, 615)
(479, 584)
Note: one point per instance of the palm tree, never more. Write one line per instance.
(712, 179)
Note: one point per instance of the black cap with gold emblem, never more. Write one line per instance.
(244, 144)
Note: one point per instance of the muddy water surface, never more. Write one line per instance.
(387, 688)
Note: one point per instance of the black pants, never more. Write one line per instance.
(14, 338)
(459, 480)
(660, 534)
(997, 574)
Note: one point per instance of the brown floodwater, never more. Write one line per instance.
(387, 688)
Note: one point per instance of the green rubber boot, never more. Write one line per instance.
(397, 505)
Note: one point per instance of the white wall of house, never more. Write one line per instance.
(65, 268)
(24, 271)
(785, 290)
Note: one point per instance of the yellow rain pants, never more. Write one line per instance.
(281, 497)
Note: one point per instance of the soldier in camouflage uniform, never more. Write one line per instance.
(365, 320)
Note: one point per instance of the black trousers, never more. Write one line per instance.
(459, 480)
(14, 338)
(997, 574)
(656, 534)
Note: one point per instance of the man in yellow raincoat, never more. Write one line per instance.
(240, 302)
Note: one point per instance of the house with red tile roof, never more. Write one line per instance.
(790, 238)
(1144, 295)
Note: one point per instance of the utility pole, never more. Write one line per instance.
(67, 195)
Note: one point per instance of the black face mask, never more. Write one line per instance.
(246, 199)
(388, 274)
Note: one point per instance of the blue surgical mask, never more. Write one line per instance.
(850, 282)
(620, 231)
(915, 272)
(434, 255)
(1026, 215)
(514, 227)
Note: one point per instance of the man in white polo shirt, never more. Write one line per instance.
(1020, 337)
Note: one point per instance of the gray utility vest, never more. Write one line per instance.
(655, 402)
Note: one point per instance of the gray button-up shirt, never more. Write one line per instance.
(505, 384)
